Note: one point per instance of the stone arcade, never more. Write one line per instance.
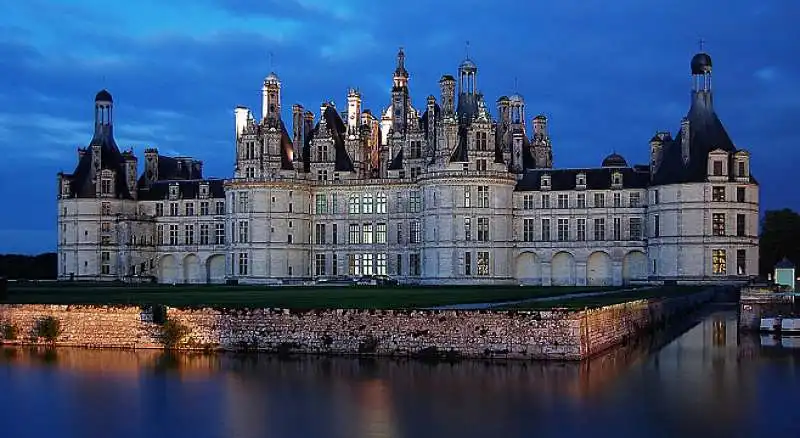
(444, 193)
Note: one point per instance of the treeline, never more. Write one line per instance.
(38, 267)
(780, 237)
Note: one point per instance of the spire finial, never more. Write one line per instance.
(271, 61)
(702, 43)
(515, 84)
(466, 48)
(401, 58)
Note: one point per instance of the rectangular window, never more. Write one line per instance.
(219, 207)
(105, 186)
(741, 262)
(380, 264)
(244, 231)
(189, 209)
(380, 206)
(545, 201)
(656, 197)
(563, 200)
(467, 199)
(319, 264)
(244, 202)
(483, 229)
(718, 262)
(415, 232)
(617, 228)
(204, 234)
(366, 234)
(483, 196)
(380, 233)
(159, 209)
(334, 203)
(243, 263)
(354, 264)
(600, 229)
(740, 194)
(354, 234)
(717, 168)
(563, 229)
(367, 267)
(467, 228)
(527, 202)
(366, 203)
(546, 230)
(399, 234)
(581, 230)
(219, 234)
(399, 268)
(289, 240)
(617, 200)
(718, 224)
(740, 225)
(334, 234)
(160, 235)
(483, 263)
(413, 201)
(528, 230)
(481, 164)
(581, 200)
(718, 194)
(334, 264)
(204, 208)
(634, 200)
(742, 172)
(467, 263)
(599, 200)
(416, 149)
(173, 208)
(413, 264)
(319, 234)
(635, 225)
(105, 269)
(354, 204)
(656, 225)
(105, 227)
(321, 204)
(173, 234)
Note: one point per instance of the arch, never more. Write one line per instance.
(215, 269)
(191, 269)
(527, 268)
(634, 266)
(168, 270)
(598, 269)
(562, 269)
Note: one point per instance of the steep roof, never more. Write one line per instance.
(596, 178)
(338, 130)
(81, 183)
(188, 189)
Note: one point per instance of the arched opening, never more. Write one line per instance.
(563, 269)
(634, 266)
(598, 269)
(168, 271)
(527, 268)
(191, 269)
(215, 269)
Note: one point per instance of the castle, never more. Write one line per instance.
(444, 193)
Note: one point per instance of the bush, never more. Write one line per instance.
(172, 333)
(48, 328)
(9, 331)
(369, 345)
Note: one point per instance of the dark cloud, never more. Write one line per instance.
(607, 74)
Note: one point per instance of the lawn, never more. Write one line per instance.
(606, 300)
(295, 297)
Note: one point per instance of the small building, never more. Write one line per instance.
(785, 274)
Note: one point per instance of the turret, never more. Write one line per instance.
(432, 122)
(353, 111)
(540, 127)
(240, 117)
(656, 148)
(400, 95)
(447, 86)
(271, 98)
(297, 131)
(103, 113)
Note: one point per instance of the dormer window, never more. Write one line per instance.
(717, 168)
(106, 183)
(742, 165)
(580, 181)
(717, 165)
(545, 182)
(616, 180)
(204, 190)
(173, 191)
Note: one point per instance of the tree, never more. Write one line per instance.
(780, 237)
(39, 267)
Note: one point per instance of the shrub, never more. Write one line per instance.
(368, 345)
(48, 328)
(172, 333)
(9, 331)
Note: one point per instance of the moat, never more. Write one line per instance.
(698, 378)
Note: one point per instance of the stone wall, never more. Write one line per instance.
(554, 334)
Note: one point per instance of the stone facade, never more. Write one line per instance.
(443, 193)
(552, 334)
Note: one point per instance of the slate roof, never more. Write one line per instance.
(785, 264)
(81, 183)
(706, 133)
(397, 162)
(188, 189)
(338, 130)
(596, 178)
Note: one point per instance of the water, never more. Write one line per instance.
(708, 381)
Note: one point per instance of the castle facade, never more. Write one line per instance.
(440, 193)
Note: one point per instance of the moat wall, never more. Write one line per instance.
(551, 334)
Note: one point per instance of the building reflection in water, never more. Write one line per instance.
(702, 382)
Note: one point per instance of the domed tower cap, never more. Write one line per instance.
(615, 160)
(701, 64)
(468, 66)
(103, 96)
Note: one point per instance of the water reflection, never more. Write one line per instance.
(702, 378)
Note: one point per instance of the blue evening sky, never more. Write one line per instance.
(607, 73)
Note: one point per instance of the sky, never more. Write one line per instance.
(608, 74)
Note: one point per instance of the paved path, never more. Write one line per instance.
(482, 306)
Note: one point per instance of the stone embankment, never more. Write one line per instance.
(547, 334)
